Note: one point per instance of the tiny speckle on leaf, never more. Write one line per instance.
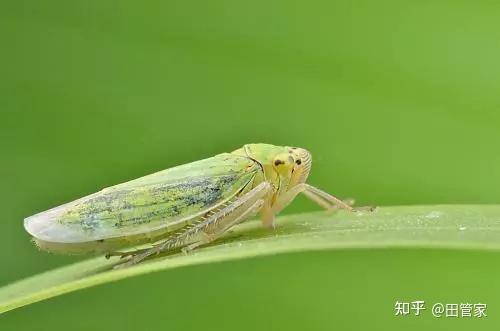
(433, 214)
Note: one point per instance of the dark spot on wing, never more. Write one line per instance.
(164, 201)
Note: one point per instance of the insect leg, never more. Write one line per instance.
(226, 224)
(222, 219)
(314, 191)
(322, 198)
(325, 204)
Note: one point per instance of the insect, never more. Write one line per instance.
(182, 207)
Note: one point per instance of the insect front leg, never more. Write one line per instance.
(320, 197)
(213, 226)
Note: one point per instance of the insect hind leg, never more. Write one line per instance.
(226, 224)
(213, 226)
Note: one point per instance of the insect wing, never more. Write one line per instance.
(160, 200)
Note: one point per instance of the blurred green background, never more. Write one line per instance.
(397, 100)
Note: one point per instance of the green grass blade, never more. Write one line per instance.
(450, 227)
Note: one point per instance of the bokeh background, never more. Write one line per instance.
(397, 100)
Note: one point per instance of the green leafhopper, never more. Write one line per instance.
(182, 207)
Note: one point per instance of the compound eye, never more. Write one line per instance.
(284, 159)
(278, 162)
